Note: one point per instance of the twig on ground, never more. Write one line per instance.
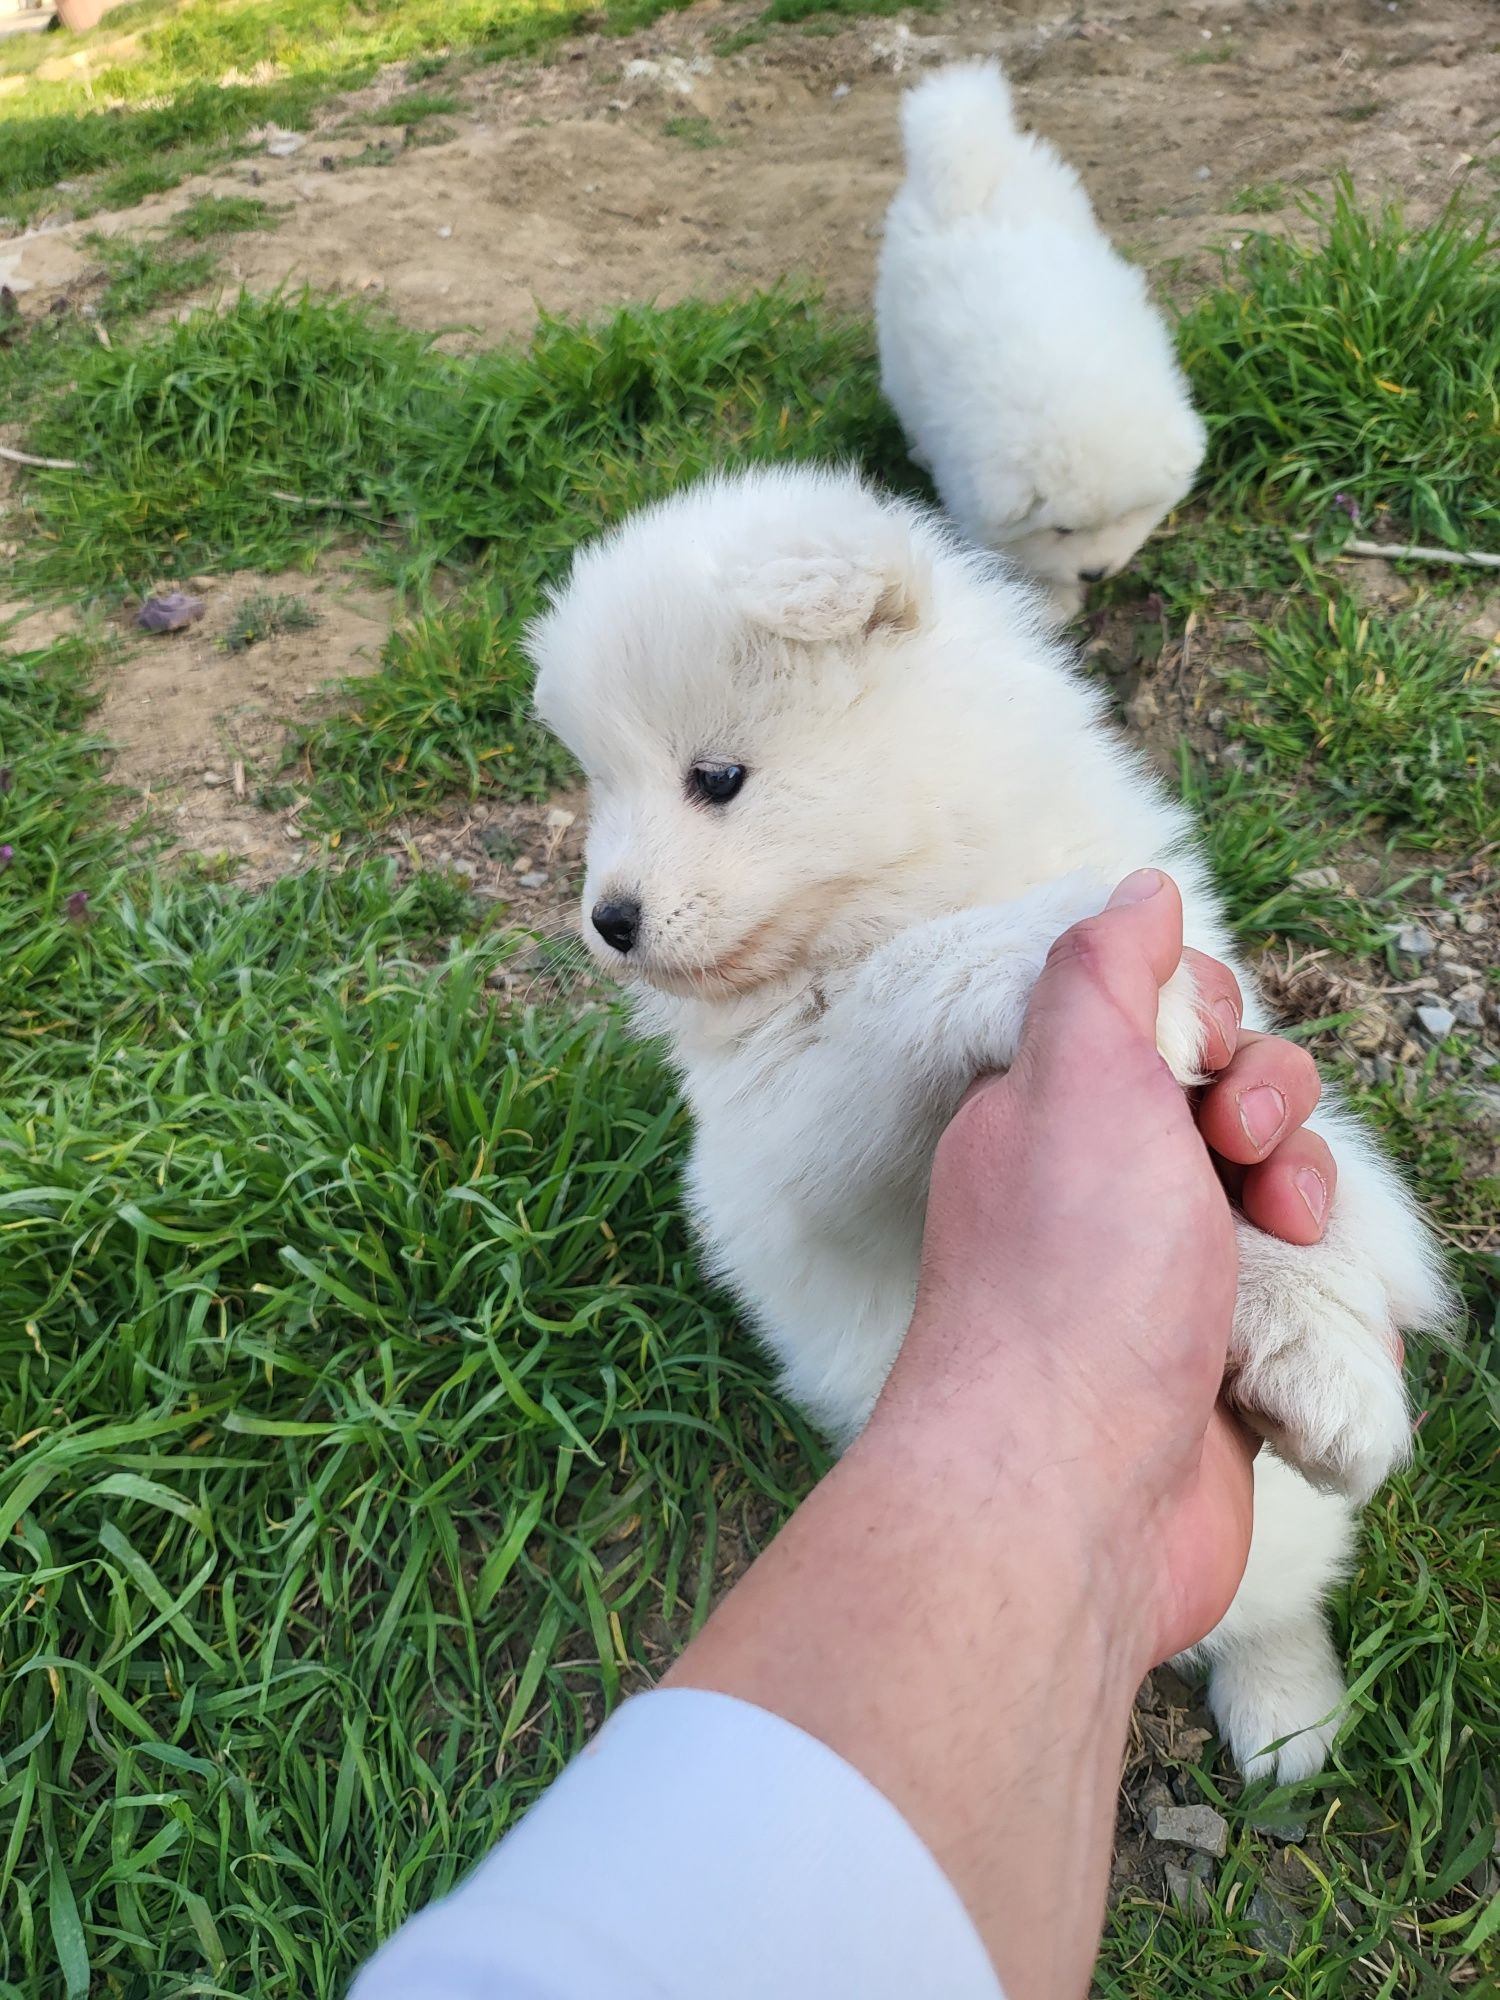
(1415, 552)
(30, 458)
(296, 500)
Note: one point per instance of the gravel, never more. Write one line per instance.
(1436, 1020)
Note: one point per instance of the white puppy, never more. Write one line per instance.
(1031, 373)
(845, 794)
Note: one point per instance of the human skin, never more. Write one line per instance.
(1050, 1497)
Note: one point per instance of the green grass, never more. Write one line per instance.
(697, 132)
(412, 109)
(213, 215)
(190, 435)
(266, 614)
(369, 1425)
(449, 713)
(1257, 198)
(1364, 362)
(1383, 721)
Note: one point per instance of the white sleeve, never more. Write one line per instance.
(698, 1849)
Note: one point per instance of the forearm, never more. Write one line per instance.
(955, 1638)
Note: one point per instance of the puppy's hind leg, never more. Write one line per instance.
(1275, 1685)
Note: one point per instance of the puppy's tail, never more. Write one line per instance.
(961, 139)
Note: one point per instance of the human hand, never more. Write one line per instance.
(1079, 1268)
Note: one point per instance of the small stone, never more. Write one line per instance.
(1447, 951)
(1284, 1828)
(213, 779)
(1205, 173)
(1415, 941)
(1270, 1925)
(1384, 1070)
(1466, 1011)
(1472, 922)
(170, 612)
(522, 865)
(1192, 1826)
(535, 880)
(281, 145)
(1317, 878)
(468, 869)
(840, 90)
(1187, 1892)
(1435, 1020)
(446, 231)
(559, 819)
(1446, 920)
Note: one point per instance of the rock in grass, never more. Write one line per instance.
(1436, 1021)
(1414, 941)
(1317, 878)
(1187, 1892)
(1191, 1826)
(170, 612)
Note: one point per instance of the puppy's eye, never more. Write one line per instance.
(716, 784)
(1062, 531)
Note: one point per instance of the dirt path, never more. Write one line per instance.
(659, 166)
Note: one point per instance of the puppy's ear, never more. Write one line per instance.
(823, 597)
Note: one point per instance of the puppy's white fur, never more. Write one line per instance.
(1032, 375)
(833, 955)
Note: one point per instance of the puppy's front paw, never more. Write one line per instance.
(1314, 1368)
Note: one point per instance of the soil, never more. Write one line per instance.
(199, 730)
(658, 165)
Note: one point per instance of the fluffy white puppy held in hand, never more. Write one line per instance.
(1032, 375)
(845, 793)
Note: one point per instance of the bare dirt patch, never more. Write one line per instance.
(199, 730)
(668, 163)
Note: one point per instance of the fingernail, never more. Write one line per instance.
(1313, 1189)
(1137, 888)
(1262, 1114)
(1228, 1017)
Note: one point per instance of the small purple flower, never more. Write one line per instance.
(7, 855)
(7, 779)
(77, 907)
(1347, 505)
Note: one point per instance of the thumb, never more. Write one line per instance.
(1103, 978)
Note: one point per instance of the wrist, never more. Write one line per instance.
(1036, 1523)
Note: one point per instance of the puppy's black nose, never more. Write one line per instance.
(1091, 576)
(618, 922)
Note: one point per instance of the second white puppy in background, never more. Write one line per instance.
(1033, 376)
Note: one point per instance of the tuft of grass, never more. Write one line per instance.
(1359, 113)
(212, 215)
(1260, 839)
(142, 149)
(266, 614)
(1365, 362)
(1217, 52)
(416, 106)
(1389, 722)
(449, 712)
(1257, 198)
(697, 132)
(513, 455)
(144, 275)
(805, 10)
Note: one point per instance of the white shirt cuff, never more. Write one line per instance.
(698, 1849)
